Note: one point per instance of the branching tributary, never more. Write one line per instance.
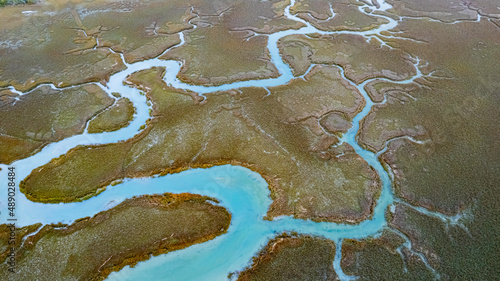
(243, 192)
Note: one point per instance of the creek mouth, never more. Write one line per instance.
(244, 193)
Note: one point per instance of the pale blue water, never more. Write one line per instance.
(244, 193)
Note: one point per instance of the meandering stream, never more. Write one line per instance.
(243, 192)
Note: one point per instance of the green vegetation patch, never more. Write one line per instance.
(133, 231)
(12, 237)
(214, 55)
(46, 115)
(296, 55)
(301, 258)
(239, 127)
(323, 90)
(114, 118)
(448, 11)
(139, 30)
(379, 259)
(400, 116)
(76, 178)
(454, 111)
(51, 48)
(457, 170)
(335, 122)
(16, 2)
(360, 59)
(464, 250)
(12, 148)
(347, 15)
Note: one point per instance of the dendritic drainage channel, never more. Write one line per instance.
(243, 192)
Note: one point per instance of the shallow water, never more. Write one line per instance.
(243, 192)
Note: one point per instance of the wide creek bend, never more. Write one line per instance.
(244, 193)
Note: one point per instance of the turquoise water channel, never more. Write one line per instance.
(244, 193)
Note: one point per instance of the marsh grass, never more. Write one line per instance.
(293, 258)
(230, 127)
(44, 116)
(133, 231)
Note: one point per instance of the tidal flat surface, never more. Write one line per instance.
(356, 139)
